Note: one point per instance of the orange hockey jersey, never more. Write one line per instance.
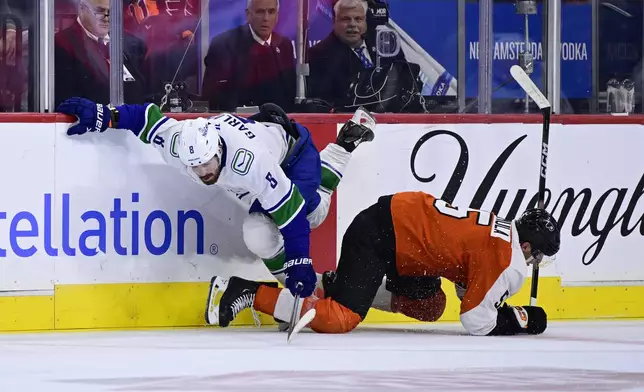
(472, 248)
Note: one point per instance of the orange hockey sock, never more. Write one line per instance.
(266, 299)
(332, 317)
(275, 302)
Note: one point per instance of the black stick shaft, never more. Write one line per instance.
(542, 195)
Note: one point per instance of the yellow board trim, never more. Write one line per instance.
(27, 313)
(158, 305)
(560, 302)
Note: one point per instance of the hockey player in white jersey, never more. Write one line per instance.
(267, 161)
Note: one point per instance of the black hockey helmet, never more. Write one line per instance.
(541, 230)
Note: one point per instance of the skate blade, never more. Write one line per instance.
(217, 287)
(303, 322)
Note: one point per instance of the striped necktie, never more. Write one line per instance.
(365, 61)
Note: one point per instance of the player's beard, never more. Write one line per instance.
(211, 178)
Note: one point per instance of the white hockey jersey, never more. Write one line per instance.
(251, 159)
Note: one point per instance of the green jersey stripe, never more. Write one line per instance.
(289, 209)
(330, 179)
(152, 116)
(276, 264)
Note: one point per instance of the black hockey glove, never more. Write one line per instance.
(513, 320)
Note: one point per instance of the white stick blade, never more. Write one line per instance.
(528, 85)
(303, 322)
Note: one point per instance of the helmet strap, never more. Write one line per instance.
(535, 257)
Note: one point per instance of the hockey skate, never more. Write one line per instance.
(357, 130)
(228, 297)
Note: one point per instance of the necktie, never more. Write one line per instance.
(365, 61)
(104, 49)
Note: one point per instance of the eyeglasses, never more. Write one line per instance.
(99, 12)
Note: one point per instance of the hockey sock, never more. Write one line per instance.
(274, 301)
(334, 161)
(332, 317)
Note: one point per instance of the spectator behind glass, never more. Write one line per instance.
(336, 61)
(167, 27)
(250, 64)
(16, 63)
(82, 58)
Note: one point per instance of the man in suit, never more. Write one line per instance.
(251, 64)
(17, 55)
(82, 58)
(348, 50)
(167, 27)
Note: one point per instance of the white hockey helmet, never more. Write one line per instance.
(198, 143)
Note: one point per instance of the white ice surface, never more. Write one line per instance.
(570, 356)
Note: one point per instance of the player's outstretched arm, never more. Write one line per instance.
(143, 120)
(290, 217)
(484, 311)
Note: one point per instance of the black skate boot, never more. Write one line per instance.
(356, 131)
(238, 294)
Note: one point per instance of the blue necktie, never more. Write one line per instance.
(365, 61)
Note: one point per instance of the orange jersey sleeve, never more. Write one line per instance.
(469, 247)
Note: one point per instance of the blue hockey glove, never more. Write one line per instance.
(300, 271)
(92, 117)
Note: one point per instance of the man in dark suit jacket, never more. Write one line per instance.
(82, 58)
(17, 55)
(167, 27)
(251, 64)
(336, 61)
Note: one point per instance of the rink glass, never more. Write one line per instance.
(599, 66)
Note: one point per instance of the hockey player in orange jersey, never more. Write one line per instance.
(413, 239)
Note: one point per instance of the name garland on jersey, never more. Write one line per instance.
(238, 122)
(501, 229)
(242, 161)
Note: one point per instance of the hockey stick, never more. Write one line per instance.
(296, 325)
(304, 321)
(294, 312)
(528, 85)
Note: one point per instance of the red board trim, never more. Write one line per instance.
(383, 118)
